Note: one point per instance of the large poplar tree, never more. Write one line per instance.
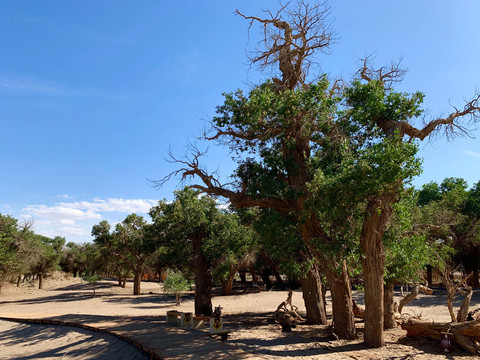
(325, 154)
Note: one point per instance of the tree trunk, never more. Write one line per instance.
(265, 275)
(273, 267)
(377, 214)
(137, 280)
(19, 280)
(342, 301)
(313, 296)
(203, 280)
(474, 282)
(429, 275)
(254, 275)
(388, 306)
(409, 297)
(124, 281)
(228, 284)
(463, 312)
(243, 276)
(40, 281)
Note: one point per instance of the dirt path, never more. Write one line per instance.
(247, 315)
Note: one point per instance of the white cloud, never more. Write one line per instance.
(112, 205)
(65, 197)
(61, 212)
(25, 84)
(471, 153)
(74, 220)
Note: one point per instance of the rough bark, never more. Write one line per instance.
(227, 285)
(203, 280)
(463, 312)
(465, 334)
(342, 302)
(136, 282)
(429, 275)
(409, 297)
(313, 296)
(357, 310)
(254, 275)
(40, 281)
(388, 306)
(377, 214)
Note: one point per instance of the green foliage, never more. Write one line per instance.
(92, 279)
(176, 284)
(407, 252)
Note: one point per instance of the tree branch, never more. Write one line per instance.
(212, 186)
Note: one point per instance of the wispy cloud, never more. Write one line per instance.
(112, 205)
(472, 153)
(19, 84)
(74, 219)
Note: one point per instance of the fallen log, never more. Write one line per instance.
(465, 334)
(288, 318)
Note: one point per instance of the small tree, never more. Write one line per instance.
(92, 279)
(176, 284)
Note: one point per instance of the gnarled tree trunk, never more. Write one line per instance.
(203, 280)
(377, 214)
(40, 281)
(463, 312)
(136, 282)
(313, 296)
(342, 301)
(227, 285)
(388, 306)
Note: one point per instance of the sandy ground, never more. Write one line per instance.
(247, 315)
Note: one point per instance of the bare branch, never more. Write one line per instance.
(190, 168)
(387, 75)
(291, 43)
(452, 128)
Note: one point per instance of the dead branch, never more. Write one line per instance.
(190, 168)
(408, 298)
(452, 128)
(387, 75)
(463, 311)
(290, 37)
(287, 316)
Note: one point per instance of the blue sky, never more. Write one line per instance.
(94, 93)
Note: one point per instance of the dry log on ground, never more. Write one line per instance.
(288, 318)
(465, 334)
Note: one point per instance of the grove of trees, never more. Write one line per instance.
(321, 195)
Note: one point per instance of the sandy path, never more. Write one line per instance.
(29, 341)
(247, 315)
